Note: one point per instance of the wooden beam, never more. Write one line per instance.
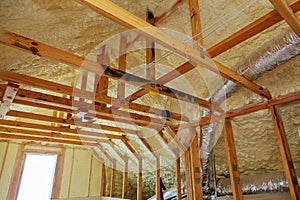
(44, 139)
(236, 185)
(113, 179)
(59, 129)
(172, 133)
(122, 66)
(287, 14)
(103, 180)
(157, 179)
(178, 179)
(127, 19)
(131, 149)
(188, 175)
(51, 86)
(63, 122)
(140, 180)
(51, 135)
(165, 140)
(283, 99)
(195, 167)
(150, 51)
(125, 180)
(286, 156)
(164, 15)
(195, 22)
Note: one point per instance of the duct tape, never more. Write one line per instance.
(237, 181)
(202, 54)
(197, 169)
(235, 167)
(290, 164)
(198, 180)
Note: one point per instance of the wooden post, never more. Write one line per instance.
(285, 155)
(122, 66)
(113, 178)
(195, 168)
(157, 173)
(178, 181)
(232, 161)
(103, 180)
(188, 177)
(139, 180)
(125, 179)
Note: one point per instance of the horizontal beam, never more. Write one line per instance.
(164, 15)
(67, 90)
(127, 19)
(44, 139)
(61, 129)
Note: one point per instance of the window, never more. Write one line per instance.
(37, 177)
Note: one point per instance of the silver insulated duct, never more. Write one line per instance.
(269, 56)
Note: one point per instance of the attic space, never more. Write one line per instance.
(149, 99)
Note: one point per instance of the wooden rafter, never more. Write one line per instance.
(127, 19)
(287, 14)
(7, 99)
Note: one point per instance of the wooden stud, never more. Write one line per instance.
(103, 181)
(172, 133)
(287, 14)
(125, 180)
(58, 173)
(8, 98)
(4, 158)
(16, 177)
(236, 185)
(178, 179)
(113, 178)
(286, 156)
(157, 182)
(90, 175)
(188, 175)
(122, 66)
(139, 180)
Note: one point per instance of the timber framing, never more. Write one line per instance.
(68, 124)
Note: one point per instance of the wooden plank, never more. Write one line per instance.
(51, 86)
(164, 15)
(157, 179)
(113, 179)
(165, 140)
(18, 167)
(4, 158)
(195, 167)
(131, 149)
(139, 180)
(178, 179)
(195, 22)
(283, 99)
(45, 139)
(63, 122)
(103, 180)
(127, 19)
(286, 156)
(58, 173)
(125, 180)
(287, 14)
(172, 133)
(61, 129)
(188, 175)
(90, 175)
(150, 51)
(236, 185)
(71, 173)
(122, 66)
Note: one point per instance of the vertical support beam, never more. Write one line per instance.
(103, 180)
(232, 161)
(195, 20)
(102, 84)
(125, 179)
(178, 181)
(195, 166)
(150, 50)
(139, 180)
(157, 175)
(285, 155)
(113, 178)
(58, 173)
(188, 177)
(122, 66)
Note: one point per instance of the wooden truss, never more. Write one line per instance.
(63, 125)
